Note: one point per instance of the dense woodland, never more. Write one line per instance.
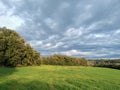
(14, 51)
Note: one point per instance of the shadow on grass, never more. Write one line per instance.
(43, 85)
(33, 85)
(16, 85)
(5, 71)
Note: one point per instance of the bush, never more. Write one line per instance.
(63, 60)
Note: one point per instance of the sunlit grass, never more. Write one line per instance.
(59, 78)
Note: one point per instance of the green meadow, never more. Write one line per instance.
(48, 77)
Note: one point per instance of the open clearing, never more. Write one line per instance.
(47, 77)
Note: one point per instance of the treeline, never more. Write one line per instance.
(109, 63)
(14, 51)
(63, 60)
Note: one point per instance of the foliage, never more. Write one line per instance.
(14, 51)
(63, 60)
(110, 63)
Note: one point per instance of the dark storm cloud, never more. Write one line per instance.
(88, 28)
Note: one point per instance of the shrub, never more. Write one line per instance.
(63, 60)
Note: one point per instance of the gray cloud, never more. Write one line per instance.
(87, 28)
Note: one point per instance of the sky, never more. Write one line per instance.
(81, 28)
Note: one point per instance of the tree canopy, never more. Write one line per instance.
(14, 51)
(63, 60)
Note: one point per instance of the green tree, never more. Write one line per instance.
(63, 60)
(14, 51)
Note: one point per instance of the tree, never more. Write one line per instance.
(63, 60)
(14, 51)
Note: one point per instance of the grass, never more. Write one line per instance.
(59, 78)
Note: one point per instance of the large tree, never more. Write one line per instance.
(14, 51)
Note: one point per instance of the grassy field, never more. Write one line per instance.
(59, 78)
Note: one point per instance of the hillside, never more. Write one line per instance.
(59, 78)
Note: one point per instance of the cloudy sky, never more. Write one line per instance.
(83, 28)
